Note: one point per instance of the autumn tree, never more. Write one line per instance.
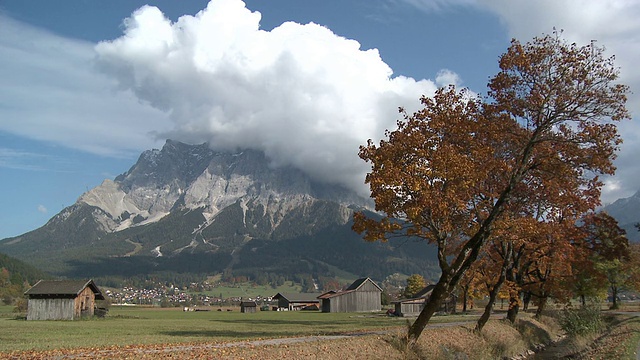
(451, 170)
(470, 288)
(415, 283)
(549, 266)
(496, 261)
(608, 258)
(634, 267)
(492, 269)
(604, 238)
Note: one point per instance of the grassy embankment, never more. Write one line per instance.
(618, 338)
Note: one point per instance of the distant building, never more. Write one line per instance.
(62, 299)
(293, 302)
(414, 305)
(363, 295)
(248, 306)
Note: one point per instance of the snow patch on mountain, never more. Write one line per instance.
(156, 251)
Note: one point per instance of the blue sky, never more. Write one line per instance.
(88, 85)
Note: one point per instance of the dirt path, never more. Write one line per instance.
(137, 248)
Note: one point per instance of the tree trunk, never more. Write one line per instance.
(514, 307)
(526, 299)
(493, 295)
(439, 293)
(465, 292)
(614, 298)
(583, 301)
(450, 278)
(454, 304)
(541, 306)
(514, 299)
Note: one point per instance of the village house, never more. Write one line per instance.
(363, 295)
(414, 305)
(62, 299)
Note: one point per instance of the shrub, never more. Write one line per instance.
(21, 305)
(583, 321)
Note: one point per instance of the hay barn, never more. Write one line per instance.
(363, 295)
(62, 299)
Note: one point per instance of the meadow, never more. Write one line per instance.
(249, 290)
(134, 332)
(139, 325)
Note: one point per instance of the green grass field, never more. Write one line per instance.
(135, 325)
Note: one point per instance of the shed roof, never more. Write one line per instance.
(356, 284)
(327, 294)
(299, 297)
(332, 294)
(420, 296)
(353, 287)
(424, 292)
(63, 287)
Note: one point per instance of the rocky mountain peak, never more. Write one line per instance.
(194, 176)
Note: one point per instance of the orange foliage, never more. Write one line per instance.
(532, 150)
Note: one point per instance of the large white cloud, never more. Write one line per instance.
(302, 94)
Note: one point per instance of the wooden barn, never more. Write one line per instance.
(414, 305)
(62, 299)
(363, 295)
(294, 302)
(248, 306)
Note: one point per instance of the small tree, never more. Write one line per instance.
(616, 275)
(608, 257)
(415, 283)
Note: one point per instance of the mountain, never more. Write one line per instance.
(627, 212)
(189, 209)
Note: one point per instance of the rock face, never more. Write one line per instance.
(188, 208)
(183, 176)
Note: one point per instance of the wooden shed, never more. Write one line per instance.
(293, 302)
(248, 306)
(414, 305)
(363, 295)
(62, 299)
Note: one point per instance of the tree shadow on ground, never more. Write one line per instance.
(274, 322)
